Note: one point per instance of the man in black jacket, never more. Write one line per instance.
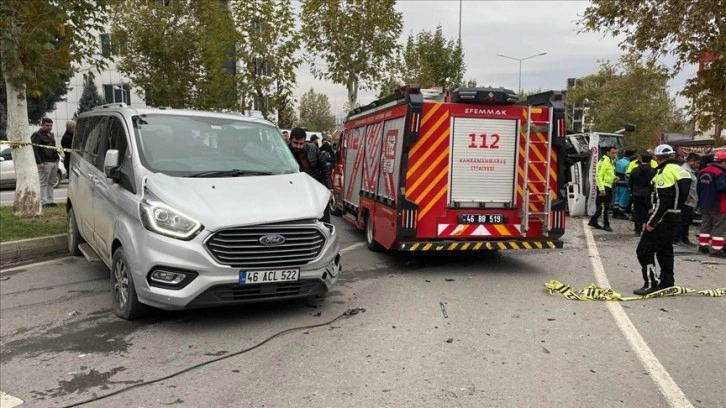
(640, 190)
(309, 157)
(47, 161)
(67, 143)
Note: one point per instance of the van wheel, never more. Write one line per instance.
(125, 303)
(370, 241)
(74, 235)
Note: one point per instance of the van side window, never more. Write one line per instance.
(114, 139)
(97, 129)
(82, 129)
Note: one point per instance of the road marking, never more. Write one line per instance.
(352, 247)
(32, 264)
(8, 401)
(670, 390)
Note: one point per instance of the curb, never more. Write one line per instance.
(28, 249)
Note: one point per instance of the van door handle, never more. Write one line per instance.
(75, 170)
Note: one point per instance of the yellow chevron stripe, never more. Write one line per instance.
(424, 158)
(538, 244)
(478, 245)
(551, 244)
(501, 245)
(526, 245)
(452, 246)
(444, 154)
(432, 202)
(465, 246)
(424, 139)
(426, 247)
(502, 230)
(431, 185)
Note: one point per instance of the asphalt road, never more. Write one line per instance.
(7, 196)
(439, 330)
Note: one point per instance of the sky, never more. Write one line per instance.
(517, 29)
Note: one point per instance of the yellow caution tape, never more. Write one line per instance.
(15, 144)
(594, 292)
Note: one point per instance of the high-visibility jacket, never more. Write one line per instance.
(671, 186)
(605, 173)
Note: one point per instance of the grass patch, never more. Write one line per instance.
(53, 222)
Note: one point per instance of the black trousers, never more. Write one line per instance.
(658, 244)
(600, 202)
(641, 205)
(681, 233)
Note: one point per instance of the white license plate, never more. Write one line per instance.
(257, 277)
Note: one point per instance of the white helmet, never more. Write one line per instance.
(664, 150)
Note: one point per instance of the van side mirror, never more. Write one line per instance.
(2, 159)
(110, 163)
(629, 127)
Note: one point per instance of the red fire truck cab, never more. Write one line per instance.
(470, 170)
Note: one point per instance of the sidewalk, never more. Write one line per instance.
(28, 249)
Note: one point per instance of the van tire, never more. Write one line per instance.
(370, 240)
(125, 303)
(74, 235)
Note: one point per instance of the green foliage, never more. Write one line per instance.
(41, 39)
(686, 29)
(176, 53)
(350, 40)
(38, 106)
(632, 91)
(267, 45)
(90, 97)
(315, 112)
(430, 60)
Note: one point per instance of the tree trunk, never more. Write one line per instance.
(352, 91)
(27, 185)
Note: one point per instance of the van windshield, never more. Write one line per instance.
(207, 146)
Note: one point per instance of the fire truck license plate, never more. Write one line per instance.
(482, 219)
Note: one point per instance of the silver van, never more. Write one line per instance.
(193, 209)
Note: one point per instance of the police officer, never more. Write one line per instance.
(605, 178)
(671, 186)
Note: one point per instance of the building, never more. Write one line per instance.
(111, 84)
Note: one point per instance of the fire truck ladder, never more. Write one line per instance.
(544, 195)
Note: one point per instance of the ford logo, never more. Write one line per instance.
(272, 240)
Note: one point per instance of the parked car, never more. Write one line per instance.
(7, 168)
(192, 209)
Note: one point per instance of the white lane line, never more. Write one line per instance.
(8, 401)
(352, 247)
(670, 390)
(32, 264)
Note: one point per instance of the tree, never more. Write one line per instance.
(315, 112)
(90, 98)
(687, 29)
(39, 39)
(286, 116)
(352, 38)
(39, 105)
(632, 91)
(432, 61)
(177, 52)
(267, 45)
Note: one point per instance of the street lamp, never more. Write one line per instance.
(520, 66)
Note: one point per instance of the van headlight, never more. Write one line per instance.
(162, 219)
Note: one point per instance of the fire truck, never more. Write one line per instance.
(472, 169)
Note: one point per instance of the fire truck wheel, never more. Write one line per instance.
(370, 241)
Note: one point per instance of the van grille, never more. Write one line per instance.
(241, 248)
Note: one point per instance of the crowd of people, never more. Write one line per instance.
(662, 193)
